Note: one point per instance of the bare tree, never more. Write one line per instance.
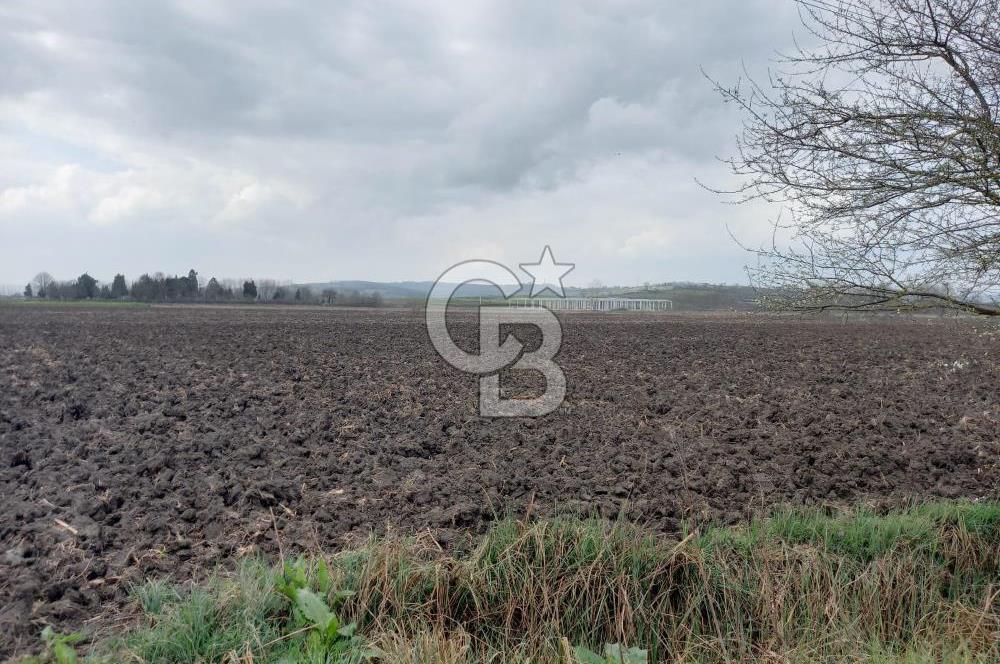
(883, 143)
(41, 282)
(266, 289)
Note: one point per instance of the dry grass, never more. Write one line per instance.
(916, 586)
(799, 586)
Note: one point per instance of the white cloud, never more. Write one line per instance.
(372, 140)
(56, 193)
(649, 241)
(127, 202)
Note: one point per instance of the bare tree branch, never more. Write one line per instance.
(883, 142)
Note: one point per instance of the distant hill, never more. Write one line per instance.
(685, 296)
(388, 290)
(691, 296)
(414, 289)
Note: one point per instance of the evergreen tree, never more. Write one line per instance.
(86, 287)
(214, 291)
(192, 284)
(119, 288)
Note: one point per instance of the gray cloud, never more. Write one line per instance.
(373, 140)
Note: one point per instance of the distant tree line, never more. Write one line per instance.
(159, 287)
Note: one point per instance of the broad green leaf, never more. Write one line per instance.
(323, 577)
(332, 632)
(63, 653)
(585, 656)
(615, 653)
(313, 608)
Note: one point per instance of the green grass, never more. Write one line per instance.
(154, 596)
(204, 624)
(918, 585)
(863, 534)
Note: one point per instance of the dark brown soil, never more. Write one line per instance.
(142, 442)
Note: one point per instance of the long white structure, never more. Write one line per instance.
(591, 303)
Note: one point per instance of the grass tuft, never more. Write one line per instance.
(153, 596)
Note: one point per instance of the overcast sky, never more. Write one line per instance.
(374, 140)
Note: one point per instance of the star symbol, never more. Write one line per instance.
(547, 274)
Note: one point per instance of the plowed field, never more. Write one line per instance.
(140, 442)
